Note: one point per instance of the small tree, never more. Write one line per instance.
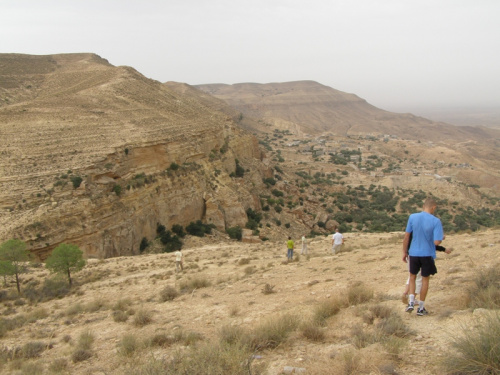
(13, 256)
(66, 258)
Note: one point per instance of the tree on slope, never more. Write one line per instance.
(66, 258)
(13, 258)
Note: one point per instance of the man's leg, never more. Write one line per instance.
(423, 293)
(412, 292)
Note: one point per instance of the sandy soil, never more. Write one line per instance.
(235, 297)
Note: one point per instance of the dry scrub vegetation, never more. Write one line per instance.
(326, 314)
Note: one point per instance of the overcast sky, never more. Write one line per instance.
(396, 54)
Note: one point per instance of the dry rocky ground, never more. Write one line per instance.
(235, 275)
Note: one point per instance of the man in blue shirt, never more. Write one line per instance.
(427, 232)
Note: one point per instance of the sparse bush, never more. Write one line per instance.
(394, 325)
(485, 290)
(178, 230)
(243, 261)
(273, 331)
(168, 294)
(235, 233)
(359, 293)
(268, 289)
(80, 355)
(312, 332)
(327, 309)
(76, 181)
(143, 317)
(212, 358)
(161, 340)
(128, 344)
(173, 166)
(192, 284)
(249, 270)
(122, 304)
(199, 229)
(120, 316)
(143, 245)
(117, 189)
(58, 365)
(32, 349)
(85, 340)
(476, 351)
(234, 335)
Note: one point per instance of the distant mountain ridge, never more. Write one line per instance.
(312, 108)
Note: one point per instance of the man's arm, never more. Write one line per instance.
(406, 242)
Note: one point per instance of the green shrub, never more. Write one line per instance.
(173, 166)
(179, 230)
(76, 181)
(199, 229)
(235, 233)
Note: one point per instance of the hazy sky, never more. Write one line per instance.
(396, 54)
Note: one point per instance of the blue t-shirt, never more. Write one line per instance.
(426, 229)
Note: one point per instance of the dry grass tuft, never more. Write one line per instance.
(190, 285)
(274, 331)
(359, 293)
(485, 290)
(476, 351)
(312, 331)
(143, 317)
(128, 344)
(268, 289)
(326, 309)
(168, 294)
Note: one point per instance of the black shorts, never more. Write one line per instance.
(426, 264)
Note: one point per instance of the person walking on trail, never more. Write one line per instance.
(290, 245)
(426, 231)
(418, 280)
(337, 241)
(178, 261)
(303, 251)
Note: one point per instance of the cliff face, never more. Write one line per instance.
(145, 153)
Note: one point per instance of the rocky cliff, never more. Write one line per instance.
(97, 155)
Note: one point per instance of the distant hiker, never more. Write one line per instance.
(303, 251)
(178, 261)
(427, 232)
(337, 241)
(418, 280)
(290, 245)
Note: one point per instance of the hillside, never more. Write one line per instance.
(305, 110)
(312, 108)
(86, 148)
(135, 315)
